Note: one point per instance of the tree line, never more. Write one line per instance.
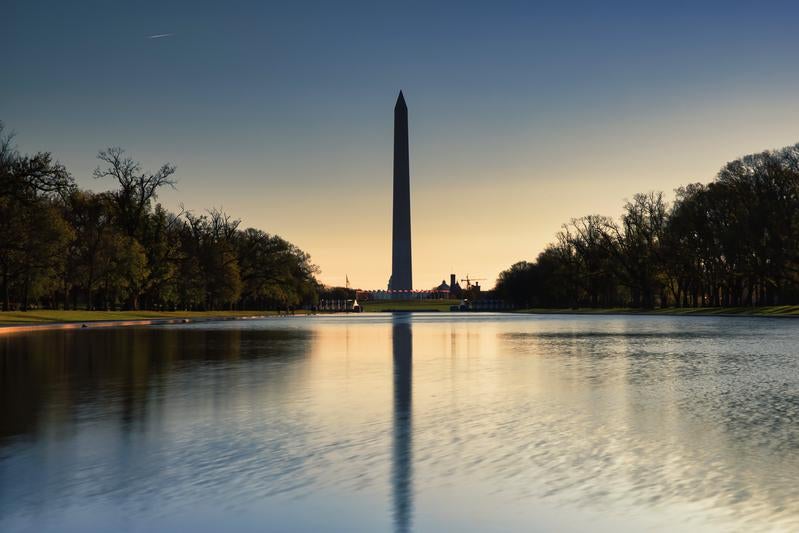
(731, 242)
(63, 247)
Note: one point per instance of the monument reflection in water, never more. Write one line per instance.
(402, 458)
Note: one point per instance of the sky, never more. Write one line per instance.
(522, 115)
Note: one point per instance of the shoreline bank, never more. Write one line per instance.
(18, 322)
(780, 311)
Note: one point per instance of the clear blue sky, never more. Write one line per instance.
(522, 115)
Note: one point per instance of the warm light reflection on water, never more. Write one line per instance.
(404, 423)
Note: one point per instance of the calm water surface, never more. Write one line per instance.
(405, 423)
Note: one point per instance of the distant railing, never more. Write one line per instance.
(339, 305)
(432, 294)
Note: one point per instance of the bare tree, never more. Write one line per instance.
(136, 188)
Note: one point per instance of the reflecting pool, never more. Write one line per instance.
(423, 422)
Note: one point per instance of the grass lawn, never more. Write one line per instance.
(774, 310)
(408, 305)
(47, 316)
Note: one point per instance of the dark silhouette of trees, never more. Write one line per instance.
(732, 242)
(270, 268)
(521, 284)
(65, 247)
(211, 237)
(137, 189)
(33, 234)
(635, 247)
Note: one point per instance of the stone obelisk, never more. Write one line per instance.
(401, 278)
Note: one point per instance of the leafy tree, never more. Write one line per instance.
(62, 245)
(32, 233)
(734, 241)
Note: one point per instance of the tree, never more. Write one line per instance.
(210, 237)
(275, 273)
(520, 284)
(31, 232)
(593, 269)
(734, 241)
(137, 189)
(636, 246)
(59, 244)
(121, 268)
(161, 241)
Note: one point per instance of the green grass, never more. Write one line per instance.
(46, 316)
(408, 305)
(774, 310)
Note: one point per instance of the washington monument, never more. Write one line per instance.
(401, 277)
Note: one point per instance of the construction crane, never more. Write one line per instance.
(469, 281)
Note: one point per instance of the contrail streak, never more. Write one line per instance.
(160, 35)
